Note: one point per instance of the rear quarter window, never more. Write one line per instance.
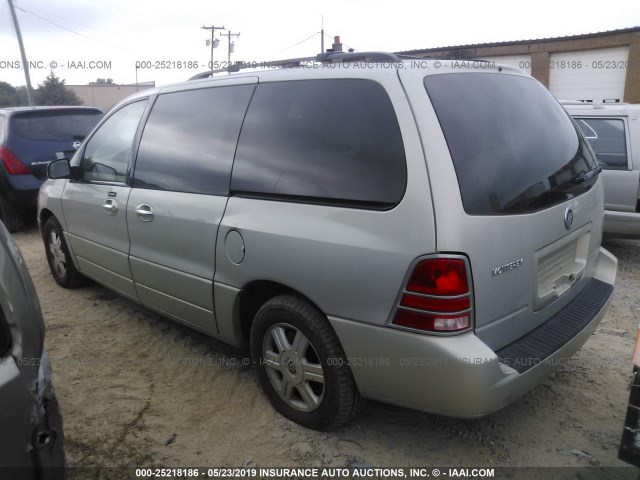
(334, 141)
(608, 139)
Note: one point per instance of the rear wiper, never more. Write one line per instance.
(584, 176)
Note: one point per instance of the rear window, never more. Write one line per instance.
(608, 140)
(514, 148)
(331, 141)
(54, 126)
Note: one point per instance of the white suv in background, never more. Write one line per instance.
(613, 130)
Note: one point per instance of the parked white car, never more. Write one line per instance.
(613, 130)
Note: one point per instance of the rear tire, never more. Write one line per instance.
(10, 217)
(301, 365)
(60, 263)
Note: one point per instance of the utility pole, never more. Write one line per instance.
(214, 41)
(25, 65)
(322, 34)
(229, 35)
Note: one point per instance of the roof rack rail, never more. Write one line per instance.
(403, 56)
(327, 57)
(587, 103)
(373, 57)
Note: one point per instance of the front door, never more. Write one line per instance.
(95, 203)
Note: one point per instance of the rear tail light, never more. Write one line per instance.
(11, 163)
(437, 297)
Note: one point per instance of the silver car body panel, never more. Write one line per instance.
(172, 256)
(458, 376)
(99, 240)
(27, 399)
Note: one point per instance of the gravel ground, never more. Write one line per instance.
(138, 390)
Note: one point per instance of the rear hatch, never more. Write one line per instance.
(37, 137)
(514, 189)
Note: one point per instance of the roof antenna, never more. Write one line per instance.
(322, 34)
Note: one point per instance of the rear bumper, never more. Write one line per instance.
(621, 224)
(460, 376)
(20, 191)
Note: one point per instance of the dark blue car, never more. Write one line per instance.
(30, 138)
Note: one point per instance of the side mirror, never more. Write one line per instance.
(59, 169)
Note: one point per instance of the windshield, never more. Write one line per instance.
(514, 148)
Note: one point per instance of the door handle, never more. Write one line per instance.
(110, 206)
(144, 212)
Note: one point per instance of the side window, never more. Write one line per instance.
(108, 153)
(190, 138)
(2, 124)
(326, 141)
(607, 139)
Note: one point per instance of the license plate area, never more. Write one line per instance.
(560, 265)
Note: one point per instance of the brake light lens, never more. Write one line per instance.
(11, 163)
(437, 297)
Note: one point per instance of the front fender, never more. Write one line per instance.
(50, 199)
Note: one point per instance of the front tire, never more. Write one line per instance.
(301, 365)
(60, 263)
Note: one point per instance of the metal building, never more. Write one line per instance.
(598, 67)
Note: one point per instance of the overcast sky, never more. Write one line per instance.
(119, 33)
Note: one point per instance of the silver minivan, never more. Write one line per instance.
(423, 233)
(613, 131)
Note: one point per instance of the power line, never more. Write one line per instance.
(67, 20)
(146, 15)
(69, 29)
(302, 41)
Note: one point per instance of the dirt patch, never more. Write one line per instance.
(139, 390)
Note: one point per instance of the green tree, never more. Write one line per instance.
(23, 98)
(10, 96)
(53, 92)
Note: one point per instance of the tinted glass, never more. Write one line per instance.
(514, 148)
(108, 152)
(333, 140)
(608, 140)
(54, 126)
(190, 138)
